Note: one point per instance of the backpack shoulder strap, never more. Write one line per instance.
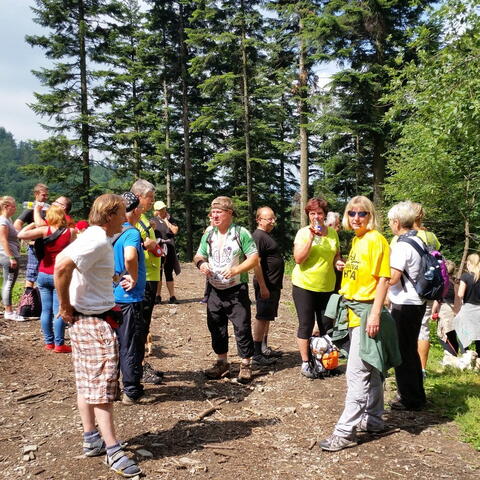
(123, 231)
(421, 251)
(54, 235)
(145, 228)
(209, 241)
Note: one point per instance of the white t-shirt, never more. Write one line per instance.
(404, 257)
(91, 289)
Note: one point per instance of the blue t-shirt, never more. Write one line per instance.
(130, 238)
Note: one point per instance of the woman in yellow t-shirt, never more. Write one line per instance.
(315, 250)
(365, 280)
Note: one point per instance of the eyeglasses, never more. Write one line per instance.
(271, 220)
(352, 214)
(58, 204)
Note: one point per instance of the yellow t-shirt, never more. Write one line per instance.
(316, 273)
(152, 263)
(368, 260)
(429, 238)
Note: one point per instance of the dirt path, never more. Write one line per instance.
(262, 431)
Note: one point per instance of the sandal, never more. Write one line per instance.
(95, 448)
(121, 464)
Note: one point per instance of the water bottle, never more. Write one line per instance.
(28, 205)
(429, 273)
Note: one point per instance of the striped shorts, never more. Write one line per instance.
(95, 359)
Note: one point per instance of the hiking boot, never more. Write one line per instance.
(150, 375)
(399, 405)
(245, 373)
(158, 300)
(306, 370)
(263, 361)
(142, 400)
(173, 301)
(334, 443)
(219, 370)
(14, 317)
(269, 353)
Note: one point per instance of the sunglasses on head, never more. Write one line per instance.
(352, 214)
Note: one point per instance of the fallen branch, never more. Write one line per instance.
(219, 446)
(33, 395)
(207, 412)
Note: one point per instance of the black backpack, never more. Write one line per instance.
(430, 284)
(39, 245)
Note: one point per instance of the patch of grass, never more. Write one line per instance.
(289, 266)
(17, 291)
(455, 394)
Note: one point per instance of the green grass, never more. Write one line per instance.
(455, 394)
(18, 290)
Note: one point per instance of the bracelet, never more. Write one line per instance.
(199, 263)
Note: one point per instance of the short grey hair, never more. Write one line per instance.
(332, 218)
(404, 212)
(142, 187)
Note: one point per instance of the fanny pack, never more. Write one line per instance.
(113, 317)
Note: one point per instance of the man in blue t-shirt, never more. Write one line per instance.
(129, 291)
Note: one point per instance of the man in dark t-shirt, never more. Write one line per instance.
(40, 193)
(268, 281)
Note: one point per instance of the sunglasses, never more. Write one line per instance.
(352, 214)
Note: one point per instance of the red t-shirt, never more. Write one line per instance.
(52, 249)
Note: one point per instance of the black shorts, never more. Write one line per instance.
(267, 309)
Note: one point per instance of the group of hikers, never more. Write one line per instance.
(104, 281)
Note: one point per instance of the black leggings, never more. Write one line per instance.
(168, 263)
(310, 306)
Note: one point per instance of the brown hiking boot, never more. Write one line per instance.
(245, 374)
(218, 370)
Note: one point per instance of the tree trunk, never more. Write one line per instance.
(302, 113)
(168, 174)
(466, 247)
(84, 125)
(246, 116)
(186, 140)
(378, 170)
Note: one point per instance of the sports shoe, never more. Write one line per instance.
(306, 370)
(150, 375)
(334, 443)
(245, 373)
(49, 346)
(173, 301)
(268, 352)
(158, 300)
(143, 400)
(62, 349)
(363, 426)
(263, 361)
(218, 370)
(14, 317)
(399, 405)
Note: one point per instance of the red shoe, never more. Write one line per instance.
(63, 349)
(49, 346)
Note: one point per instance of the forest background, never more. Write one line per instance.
(205, 98)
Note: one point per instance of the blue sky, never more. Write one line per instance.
(17, 59)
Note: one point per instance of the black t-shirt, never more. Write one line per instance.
(27, 216)
(270, 259)
(164, 232)
(472, 292)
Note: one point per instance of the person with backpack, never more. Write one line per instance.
(9, 256)
(467, 320)
(407, 307)
(316, 249)
(129, 290)
(373, 342)
(50, 240)
(225, 255)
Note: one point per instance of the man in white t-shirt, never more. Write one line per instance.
(407, 307)
(83, 280)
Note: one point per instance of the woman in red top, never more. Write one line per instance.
(52, 326)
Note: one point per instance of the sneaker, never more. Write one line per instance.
(334, 443)
(158, 300)
(263, 361)
(142, 400)
(218, 370)
(269, 353)
(306, 370)
(62, 349)
(245, 373)
(150, 375)
(399, 405)
(363, 426)
(14, 317)
(173, 301)
(49, 346)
